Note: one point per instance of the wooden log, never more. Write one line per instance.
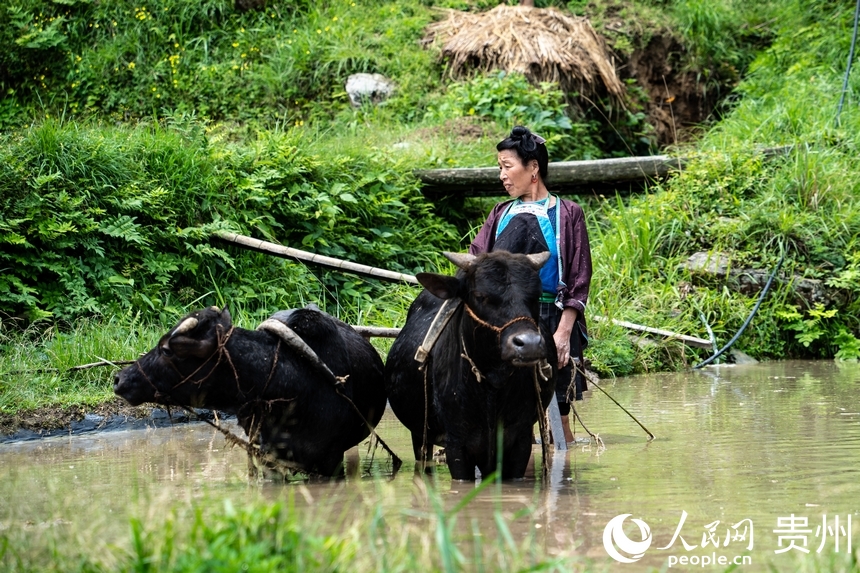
(313, 258)
(621, 173)
(592, 171)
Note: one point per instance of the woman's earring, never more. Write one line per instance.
(534, 177)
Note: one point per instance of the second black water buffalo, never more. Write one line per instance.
(292, 403)
(486, 373)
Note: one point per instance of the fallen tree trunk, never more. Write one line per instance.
(565, 176)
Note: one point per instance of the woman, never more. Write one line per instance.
(535, 221)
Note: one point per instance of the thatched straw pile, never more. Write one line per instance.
(542, 43)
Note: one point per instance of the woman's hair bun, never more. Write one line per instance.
(524, 137)
(520, 132)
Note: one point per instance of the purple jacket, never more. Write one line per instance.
(574, 248)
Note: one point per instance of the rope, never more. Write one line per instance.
(596, 437)
(465, 355)
(499, 329)
(222, 351)
(570, 395)
(542, 427)
(426, 418)
(850, 61)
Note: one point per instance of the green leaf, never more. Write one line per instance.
(124, 227)
(118, 280)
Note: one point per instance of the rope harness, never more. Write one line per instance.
(220, 351)
(538, 370)
(254, 450)
(464, 354)
(498, 329)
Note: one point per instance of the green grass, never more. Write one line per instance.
(108, 206)
(35, 363)
(351, 531)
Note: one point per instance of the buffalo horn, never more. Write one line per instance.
(461, 260)
(538, 259)
(186, 325)
(294, 341)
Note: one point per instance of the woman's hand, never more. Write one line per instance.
(561, 336)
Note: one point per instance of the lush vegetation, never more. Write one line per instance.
(132, 131)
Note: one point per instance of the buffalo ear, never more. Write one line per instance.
(442, 286)
(226, 319)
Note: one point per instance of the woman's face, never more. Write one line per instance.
(515, 176)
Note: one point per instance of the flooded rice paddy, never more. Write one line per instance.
(747, 461)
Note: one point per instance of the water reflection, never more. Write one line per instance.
(755, 443)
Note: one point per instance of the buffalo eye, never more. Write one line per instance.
(481, 298)
(166, 351)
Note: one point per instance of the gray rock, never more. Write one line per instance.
(806, 292)
(374, 88)
(709, 263)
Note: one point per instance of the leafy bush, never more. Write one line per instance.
(820, 333)
(96, 216)
(509, 100)
(132, 60)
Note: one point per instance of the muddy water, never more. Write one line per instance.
(746, 460)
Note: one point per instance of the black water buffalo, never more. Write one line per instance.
(481, 373)
(277, 391)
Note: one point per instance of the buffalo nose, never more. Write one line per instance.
(524, 346)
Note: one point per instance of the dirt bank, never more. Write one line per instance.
(116, 414)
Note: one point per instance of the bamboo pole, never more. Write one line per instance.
(688, 340)
(364, 270)
(380, 332)
(377, 331)
(313, 258)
